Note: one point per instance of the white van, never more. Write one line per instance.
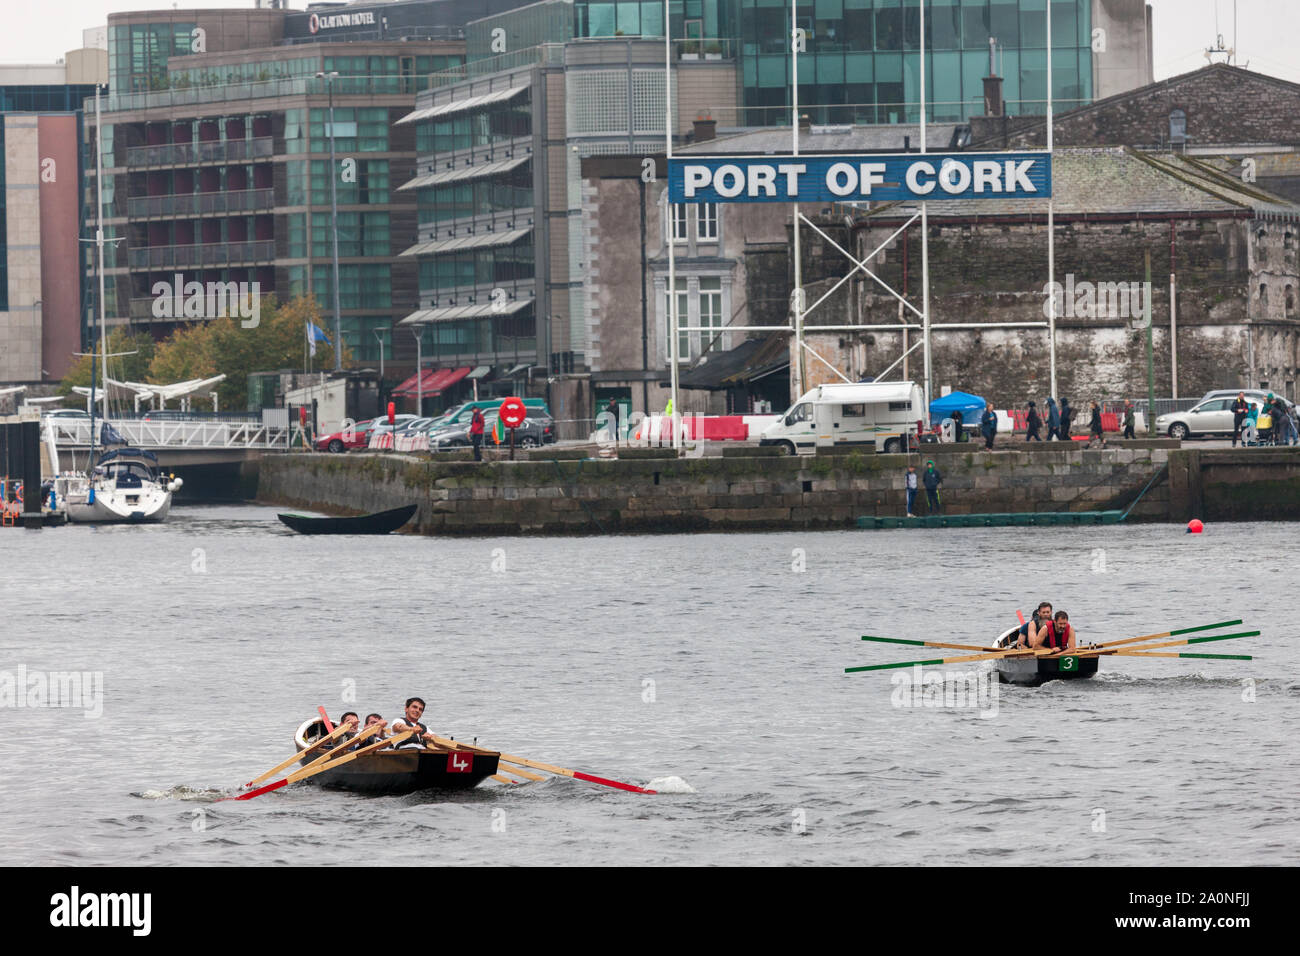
(878, 414)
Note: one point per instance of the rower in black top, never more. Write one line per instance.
(411, 721)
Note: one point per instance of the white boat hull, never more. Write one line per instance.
(150, 502)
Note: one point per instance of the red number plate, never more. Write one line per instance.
(460, 762)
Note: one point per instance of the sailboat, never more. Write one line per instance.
(124, 485)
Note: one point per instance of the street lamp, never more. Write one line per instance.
(334, 222)
(379, 335)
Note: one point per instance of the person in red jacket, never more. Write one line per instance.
(476, 433)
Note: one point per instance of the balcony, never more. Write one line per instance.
(206, 254)
(197, 154)
(198, 204)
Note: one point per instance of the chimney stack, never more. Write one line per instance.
(706, 128)
(993, 84)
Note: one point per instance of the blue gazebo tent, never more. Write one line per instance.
(970, 406)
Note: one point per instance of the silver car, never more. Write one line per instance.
(1211, 416)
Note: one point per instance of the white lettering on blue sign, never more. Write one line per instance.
(859, 178)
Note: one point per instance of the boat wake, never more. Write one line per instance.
(182, 793)
(669, 785)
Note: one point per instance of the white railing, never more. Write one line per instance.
(75, 433)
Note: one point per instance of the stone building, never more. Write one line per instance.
(1229, 250)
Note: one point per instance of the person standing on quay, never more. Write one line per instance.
(1094, 426)
(932, 480)
(476, 423)
(1033, 423)
(911, 491)
(1066, 414)
(1053, 420)
(612, 410)
(1130, 421)
(989, 425)
(1240, 409)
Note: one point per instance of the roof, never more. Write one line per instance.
(868, 392)
(477, 241)
(461, 105)
(458, 174)
(453, 312)
(1096, 181)
(878, 138)
(751, 359)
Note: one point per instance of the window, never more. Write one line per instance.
(683, 319)
(858, 410)
(800, 413)
(1177, 126)
(680, 213)
(900, 406)
(710, 312)
(706, 227)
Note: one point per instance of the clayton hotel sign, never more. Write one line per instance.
(840, 178)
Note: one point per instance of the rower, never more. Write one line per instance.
(1029, 630)
(411, 721)
(1057, 634)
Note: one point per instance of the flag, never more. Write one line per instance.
(498, 431)
(314, 335)
(108, 435)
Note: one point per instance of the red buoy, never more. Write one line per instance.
(1195, 526)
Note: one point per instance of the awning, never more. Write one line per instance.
(480, 371)
(433, 381)
(522, 367)
(460, 173)
(478, 241)
(454, 312)
(460, 106)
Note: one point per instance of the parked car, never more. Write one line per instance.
(538, 429)
(359, 435)
(1210, 416)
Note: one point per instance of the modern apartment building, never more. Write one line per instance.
(216, 137)
(40, 187)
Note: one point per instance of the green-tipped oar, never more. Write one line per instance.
(1022, 652)
(1214, 657)
(1181, 630)
(1110, 649)
(897, 640)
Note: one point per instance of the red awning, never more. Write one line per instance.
(435, 380)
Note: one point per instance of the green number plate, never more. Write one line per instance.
(1069, 663)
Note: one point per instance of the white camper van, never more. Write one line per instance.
(877, 414)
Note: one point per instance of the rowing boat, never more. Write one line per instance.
(381, 522)
(1033, 671)
(403, 770)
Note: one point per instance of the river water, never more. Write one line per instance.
(710, 664)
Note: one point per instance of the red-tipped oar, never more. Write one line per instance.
(326, 717)
(551, 768)
(298, 756)
(311, 770)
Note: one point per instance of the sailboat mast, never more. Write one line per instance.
(99, 244)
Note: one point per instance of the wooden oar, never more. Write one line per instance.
(362, 734)
(1110, 649)
(521, 772)
(298, 756)
(896, 640)
(1216, 657)
(1162, 634)
(311, 769)
(551, 768)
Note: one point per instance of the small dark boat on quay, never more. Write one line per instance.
(381, 522)
(398, 771)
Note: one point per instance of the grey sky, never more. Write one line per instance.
(1266, 30)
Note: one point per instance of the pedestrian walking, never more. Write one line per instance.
(1130, 421)
(932, 480)
(1067, 413)
(1240, 409)
(1094, 425)
(476, 423)
(989, 425)
(1053, 420)
(1033, 422)
(911, 491)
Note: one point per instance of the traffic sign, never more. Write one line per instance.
(512, 412)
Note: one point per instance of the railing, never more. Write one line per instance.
(201, 254)
(212, 151)
(189, 433)
(196, 204)
(220, 91)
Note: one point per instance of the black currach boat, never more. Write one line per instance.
(1034, 671)
(381, 522)
(399, 771)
